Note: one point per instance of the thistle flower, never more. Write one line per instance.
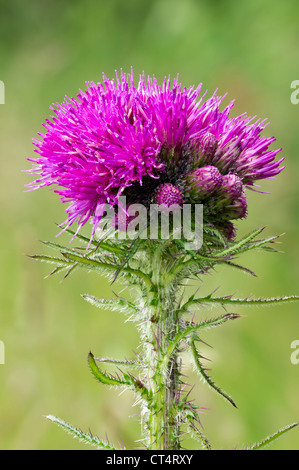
(118, 138)
(161, 145)
(169, 195)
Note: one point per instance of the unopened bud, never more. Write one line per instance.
(231, 187)
(205, 181)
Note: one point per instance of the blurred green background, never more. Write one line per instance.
(48, 49)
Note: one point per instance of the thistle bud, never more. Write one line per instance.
(207, 146)
(237, 209)
(205, 181)
(231, 187)
(168, 194)
(229, 230)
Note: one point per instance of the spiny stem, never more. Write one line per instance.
(163, 381)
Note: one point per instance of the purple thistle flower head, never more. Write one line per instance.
(121, 138)
(96, 146)
(169, 195)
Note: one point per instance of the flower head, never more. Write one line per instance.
(147, 141)
(169, 195)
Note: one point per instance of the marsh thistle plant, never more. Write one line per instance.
(159, 175)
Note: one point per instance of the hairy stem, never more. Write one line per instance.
(163, 382)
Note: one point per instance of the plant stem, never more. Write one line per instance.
(163, 379)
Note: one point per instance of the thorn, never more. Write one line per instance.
(189, 392)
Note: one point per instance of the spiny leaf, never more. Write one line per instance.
(102, 377)
(62, 264)
(231, 301)
(118, 304)
(271, 438)
(241, 268)
(197, 434)
(238, 245)
(57, 270)
(70, 270)
(107, 360)
(209, 381)
(51, 260)
(82, 436)
(260, 244)
(81, 237)
(192, 329)
(133, 249)
(189, 268)
(189, 415)
(98, 244)
(60, 248)
(71, 251)
(225, 255)
(108, 267)
(107, 379)
(90, 263)
(214, 233)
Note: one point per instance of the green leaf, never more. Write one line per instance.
(133, 249)
(62, 264)
(107, 360)
(238, 245)
(192, 330)
(70, 270)
(198, 435)
(102, 377)
(87, 262)
(106, 267)
(214, 234)
(80, 237)
(271, 438)
(98, 244)
(205, 260)
(118, 304)
(239, 267)
(107, 379)
(209, 381)
(82, 436)
(189, 416)
(57, 270)
(260, 244)
(60, 248)
(229, 300)
(51, 260)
